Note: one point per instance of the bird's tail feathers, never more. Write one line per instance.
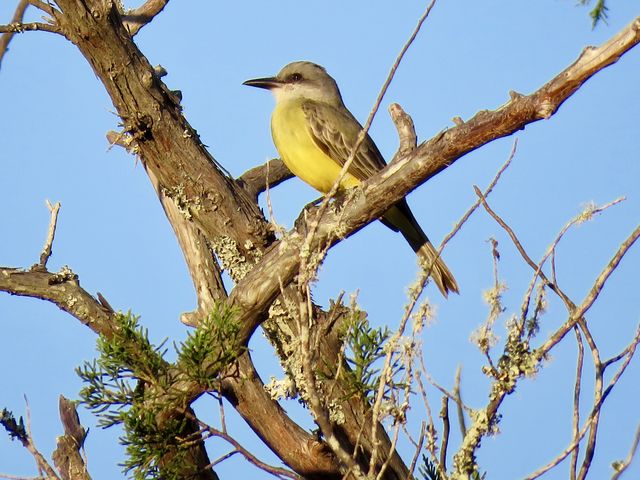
(433, 264)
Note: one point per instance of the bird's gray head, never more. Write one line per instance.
(301, 80)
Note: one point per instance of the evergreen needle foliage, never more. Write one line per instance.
(599, 11)
(428, 469)
(211, 347)
(117, 391)
(365, 351)
(129, 384)
(14, 428)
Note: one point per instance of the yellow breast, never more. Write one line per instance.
(300, 153)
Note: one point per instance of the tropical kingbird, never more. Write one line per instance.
(315, 134)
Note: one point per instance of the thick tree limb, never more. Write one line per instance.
(304, 453)
(62, 289)
(167, 145)
(203, 268)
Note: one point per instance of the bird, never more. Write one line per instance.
(315, 133)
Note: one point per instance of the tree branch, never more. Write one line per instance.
(256, 180)
(598, 285)
(46, 250)
(17, 18)
(249, 457)
(18, 27)
(66, 456)
(18, 430)
(137, 18)
(621, 466)
(304, 453)
(62, 289)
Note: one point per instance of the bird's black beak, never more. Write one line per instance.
(268, 83)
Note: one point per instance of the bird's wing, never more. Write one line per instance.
(335, 132)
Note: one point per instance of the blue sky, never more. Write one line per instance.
(469, 55)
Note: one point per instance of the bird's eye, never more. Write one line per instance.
(295, 77)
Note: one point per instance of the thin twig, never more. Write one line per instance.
(598, 385)
(519, 246)
(576, 405)
(458, 401)
(18, 477)
(446, 428)
(222, 458)
(46, 250)
(29, 444)
(424, 273)
(593, 293)
(17, 18)
(630, 351)
(392, 448)
(621, 466)
(416, 455)
(209, 431)
(19, 27)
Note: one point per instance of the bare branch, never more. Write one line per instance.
(214, 432)
(406, 130)
(66, 456)
(598, 393)
(621, 466)
(271, 174)
(61, 288)
(18, 27)
(297, 448)
(137, 18)
(446, 425)
(29, 444)
(46, 251)
(629, 351)
(521, 250)
(18, 477)
(459, 403)
(598, 285)
(389, 78)
(17, 18)
(416, 455)
(576, 405)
